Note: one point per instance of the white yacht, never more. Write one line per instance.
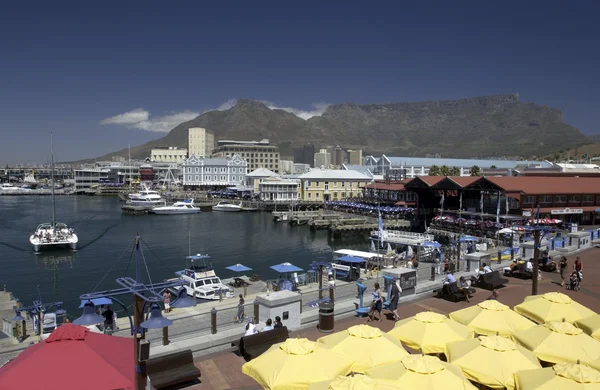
(145, 197)
(201, 280)
(9, 187)
(53, 234)
(227, 206)
(185, 207)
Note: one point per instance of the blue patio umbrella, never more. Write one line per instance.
(352, 259)
(238, 268)
(467, 238)
(285, 268)
(97, 302)
(432, 244)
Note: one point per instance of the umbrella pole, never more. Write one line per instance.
(536, 262)
(140, 367)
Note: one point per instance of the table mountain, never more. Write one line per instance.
(499, 125)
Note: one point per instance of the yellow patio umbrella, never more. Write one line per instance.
(559, 377)
(491, 360)
(368, 346)
(491, 318)
(558, 342)
(552, 306)
(421, 372)
(590, 325)
(295, 364)
(429, 332)
(355, 382)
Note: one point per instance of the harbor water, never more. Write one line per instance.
(106, 245)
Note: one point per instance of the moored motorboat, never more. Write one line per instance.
(227, 206)
(185, 207)
(145, 197)
(202, 281)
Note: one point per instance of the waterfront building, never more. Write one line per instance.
(392, 192)
(355, 157)
(332, 184)
(171, 154)
(323, 159)
(201, 172)
(411, 167)
(305, 155)
(201, 142)
(275, 189)
(258, 154)
(362, 169)
(254, 178)
(574, 199)
(88, 177)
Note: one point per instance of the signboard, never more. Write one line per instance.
(566, 211)
(527, 213)
(408, 280)
(574, 228)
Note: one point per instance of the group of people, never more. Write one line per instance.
(377, 303)
(269, 325)
(576, 275)
(50, 234)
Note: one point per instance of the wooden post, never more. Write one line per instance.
(536, 262)
(256, 319)
(165, 335)
(320, 282)
(220, 295)
(432, 278)
(140, 367)
(213, 321)
(40, 324)
(331, 294)
(499, 257)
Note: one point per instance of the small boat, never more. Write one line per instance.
(227, 206)
(145, 197)
(185, 207)
(53, 234)
(9, 187)
(201, 280)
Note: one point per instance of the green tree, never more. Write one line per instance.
(475, 171)
(444, 170)
(493, 167)
(455, 171)
(434, 170)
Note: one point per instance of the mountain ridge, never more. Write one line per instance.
(485, 126)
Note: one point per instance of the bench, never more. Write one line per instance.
(451, 292)
(491, 280)
(250, 347)
(172, 369)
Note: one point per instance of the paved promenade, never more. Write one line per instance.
(223, 370)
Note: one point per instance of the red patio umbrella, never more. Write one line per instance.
(72, 357)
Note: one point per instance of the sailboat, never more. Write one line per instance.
(53, 234)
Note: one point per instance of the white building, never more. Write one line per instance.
(279, 190)
(214, 172)
(201, 142)
(170, 155)
(286, 167)
(411, 167)
(253, 178)
(85, 178)
(322, 159)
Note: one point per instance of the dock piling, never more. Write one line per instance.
(256, 307)
(213, 321)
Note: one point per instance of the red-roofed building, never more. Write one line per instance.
(390, 192)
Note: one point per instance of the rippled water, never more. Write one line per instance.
(106, 245)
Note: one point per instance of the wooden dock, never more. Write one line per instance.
(348, 229)
(287, 216)
(339, 220)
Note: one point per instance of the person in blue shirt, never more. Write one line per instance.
(449, 279)
(269, 326)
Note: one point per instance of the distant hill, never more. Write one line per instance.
(486, 126)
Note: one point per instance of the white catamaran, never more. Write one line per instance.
(53, 234)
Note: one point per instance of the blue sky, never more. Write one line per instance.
(67, 66)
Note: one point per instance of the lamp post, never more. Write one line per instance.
(142, 294)
(39, 308)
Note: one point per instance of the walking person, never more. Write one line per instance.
(563, 266)
(394, 297)
(377, 303)
(240, 310)
(578, 268)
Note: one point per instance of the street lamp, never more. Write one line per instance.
(142, 294)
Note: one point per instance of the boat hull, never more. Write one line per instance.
(174, 212)
(41, 246)
(229, 209)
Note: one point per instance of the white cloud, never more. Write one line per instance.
(318, 109)
(141, 119)
(128, 118)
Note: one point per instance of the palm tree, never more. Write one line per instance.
(434, 170)
(493, 167)
(455, 171)
(475, 171)
(444, 170)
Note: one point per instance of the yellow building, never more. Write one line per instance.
(254, 178)
(332, 184)
(201, 142)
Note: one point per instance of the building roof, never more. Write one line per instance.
(460, 162)
(386, 186)
(358, 168)
(262, 172)
(334, 174)
(193, 160)
(543, 185)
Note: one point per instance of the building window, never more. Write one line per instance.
(208, 178)
(189, 178)
(309, 195)
(335, 195)
(588, 198)
(316, 184)
(197, 178)
(343, 184)
(335, 183)
(197, 170)
(222, 178)
(560, 199)
(343, 194)
(326, 185)
(189, 170)
(317, 195)
(575, 198)
(546, 199)
(529, 199)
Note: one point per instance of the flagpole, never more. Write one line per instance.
(380, 238)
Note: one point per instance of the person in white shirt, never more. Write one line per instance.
(250, 329)
(486, 269)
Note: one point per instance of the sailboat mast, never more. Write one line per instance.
(129, 165)
(52, 180)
